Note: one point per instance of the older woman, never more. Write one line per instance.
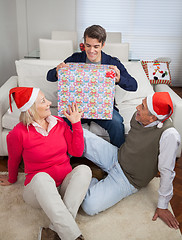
(44, 141)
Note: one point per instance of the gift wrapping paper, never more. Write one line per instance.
(91, 86)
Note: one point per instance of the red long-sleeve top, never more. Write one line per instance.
(44, 153)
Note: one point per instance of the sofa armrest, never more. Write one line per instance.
(177, 104)
(4, 95)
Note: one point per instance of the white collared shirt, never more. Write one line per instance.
(52, 122)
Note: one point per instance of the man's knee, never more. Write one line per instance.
(117, 126)
(117, 119)
(89, 206)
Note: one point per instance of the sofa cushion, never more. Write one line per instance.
(11, 119)
(32, 73)
(128, 101)
(135, 69)
(127, 110)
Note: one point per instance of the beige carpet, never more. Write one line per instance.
(128, 220)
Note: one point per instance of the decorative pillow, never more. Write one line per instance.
(157, 72)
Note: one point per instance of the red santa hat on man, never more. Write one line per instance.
(24, 97)
(160, 105)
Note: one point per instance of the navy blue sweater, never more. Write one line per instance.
(127, 82)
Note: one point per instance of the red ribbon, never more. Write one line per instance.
(82, 47)
(111, 74)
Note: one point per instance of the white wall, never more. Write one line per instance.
(8, 39)
(37, 18)
(23, 22)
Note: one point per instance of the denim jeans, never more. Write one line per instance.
(114, 127)
(107, 192)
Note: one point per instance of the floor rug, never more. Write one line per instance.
(130, 219)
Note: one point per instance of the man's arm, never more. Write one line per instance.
(169, 143)
(123, 78)
(75, 57)
(127, 82)
(52, 75)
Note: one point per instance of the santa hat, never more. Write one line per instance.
(160, 105)
(24, 97)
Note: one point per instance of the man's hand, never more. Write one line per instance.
(4, 180)
(61, 65)
(74, 115)
(117, 71)
(167, 217)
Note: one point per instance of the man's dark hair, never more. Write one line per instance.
(95, 31)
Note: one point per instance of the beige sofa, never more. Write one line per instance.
(33, 73)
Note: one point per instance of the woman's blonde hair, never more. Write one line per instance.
(29, 116)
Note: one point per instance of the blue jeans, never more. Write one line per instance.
(107, 192)
(114, 127)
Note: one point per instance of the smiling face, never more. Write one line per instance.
(93, 49)
(42, 106)
(143, 115)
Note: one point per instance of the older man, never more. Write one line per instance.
(150, 146)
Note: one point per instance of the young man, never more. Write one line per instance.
(94, 41)
(150, 146)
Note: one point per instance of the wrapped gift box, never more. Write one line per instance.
(91, 86)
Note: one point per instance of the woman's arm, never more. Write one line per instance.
(74, 138)
(15, 148)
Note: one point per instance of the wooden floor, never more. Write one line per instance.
(176, 201)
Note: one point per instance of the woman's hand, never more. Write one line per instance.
(74, 115)
(4, 180)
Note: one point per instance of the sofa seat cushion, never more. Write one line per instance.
(128, 101)
(99, 131)
(11, 119)
(135, 69)
(33, 73)
(127, 110)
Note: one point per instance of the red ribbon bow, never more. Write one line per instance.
(111, 74)
(82, 47)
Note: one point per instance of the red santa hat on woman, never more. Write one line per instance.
(24, 97)
(160, 105)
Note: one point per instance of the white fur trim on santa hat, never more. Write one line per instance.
(151, 109)
(31, 101)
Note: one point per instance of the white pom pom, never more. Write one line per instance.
(159, 125)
